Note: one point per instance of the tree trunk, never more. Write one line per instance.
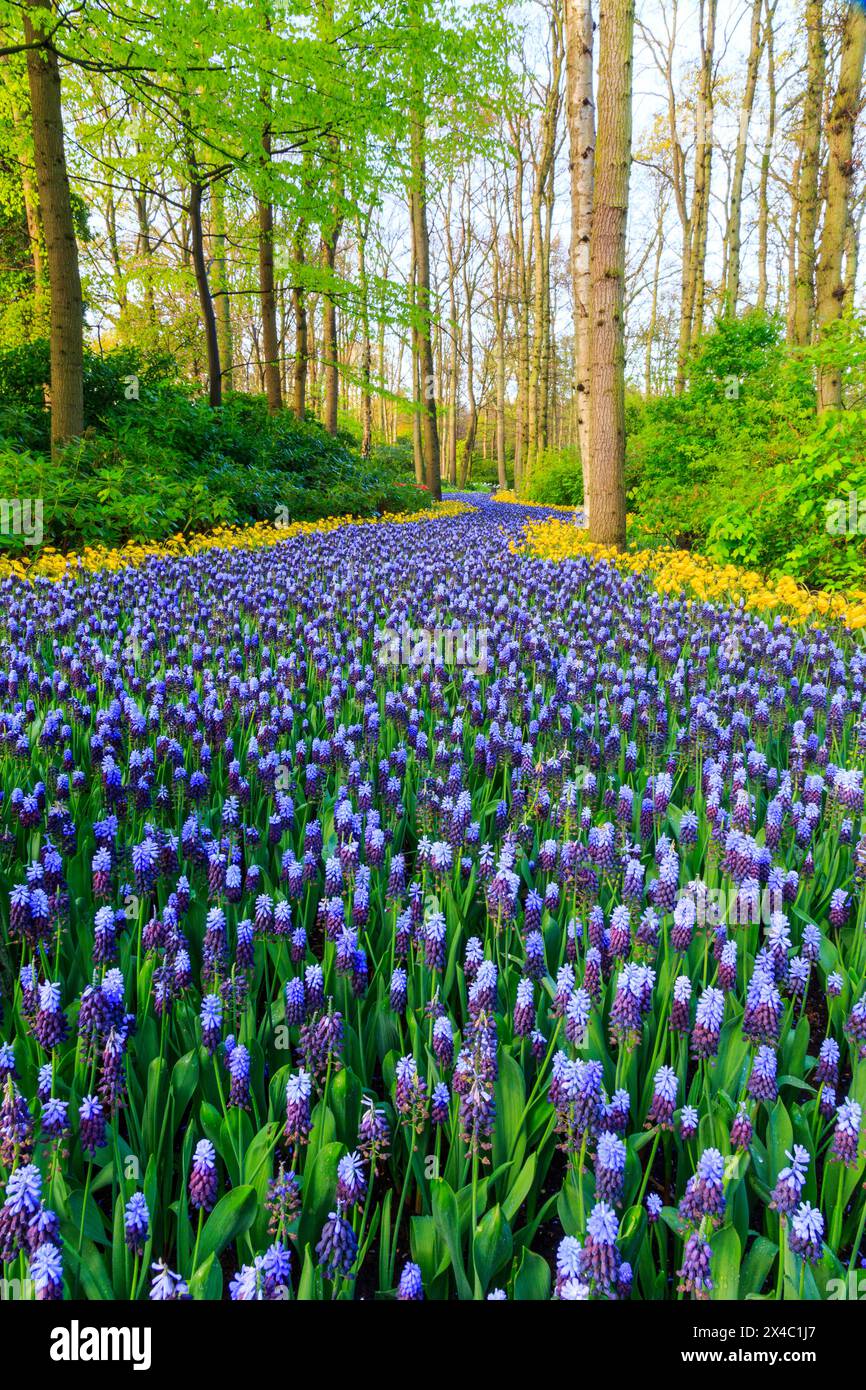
(330, 364)
(267, 294)
(35, 236)
(299, 307)
(498, 308)
(382, 384)
(581, 136)
(544, 380)
(426, 374)
(852, 249)
(66, 315)
(703, 169)
(607, 268)
(453, 392)
(521, 313)
(472, 404)
(366, 347)
(733, 234)
(222, 302)
(313, 389)
(695, 222)
(205, 300)
(417, 448)
(654, 303)
(806, 193)
(766, 154)
(543, 166)
(847, 104)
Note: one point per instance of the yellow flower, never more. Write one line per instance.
(697, 577)
(48, 564)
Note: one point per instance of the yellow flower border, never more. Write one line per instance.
(507, 495)
(675, 571)
(50, 564)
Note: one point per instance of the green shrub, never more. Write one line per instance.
(557, 479)
(740, 465)
(111, 379)
(161, 460)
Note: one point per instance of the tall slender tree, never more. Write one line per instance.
(58, 225)
(839, 174)
(607, 271)
(580, 105)
(806, 197)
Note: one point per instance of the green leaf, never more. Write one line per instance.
(492, 1246)
(231, 1217)
(519, 1189)
(725, 1266)
(307, 1282)
(509, 1137)
(447, 1221)
(206, 1284)
(319, 1193)
(184, 1079)
(780, 1137)
(756, 1266)
(532, 1281)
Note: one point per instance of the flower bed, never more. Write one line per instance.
(529, 967)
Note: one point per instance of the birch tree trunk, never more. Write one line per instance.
(806, 192)
(580, 106)
(733, 233)
(607, 269)
(766, 155)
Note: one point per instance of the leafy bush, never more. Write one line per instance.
(557, 479)
(109, 380)
(164, 461)
(740, 465)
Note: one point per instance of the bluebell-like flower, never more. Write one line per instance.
(351, 1180)
(806, 1236)
(600, 1258)
(136, 1223)
(46, 1272)
(705, 1190)
(166, 1285)
(203, 1176)
(695, 1274)
(790, 1182)
(846, 1136)
(337, 1246)
(664, 1099)
(410, 1288)
(762, 1080)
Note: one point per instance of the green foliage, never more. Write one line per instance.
(111, 379)
(163, 461)
(557, 479)
(822, 505)
(485, 474)
(740, 465)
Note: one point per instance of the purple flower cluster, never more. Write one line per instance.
(331, 917)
